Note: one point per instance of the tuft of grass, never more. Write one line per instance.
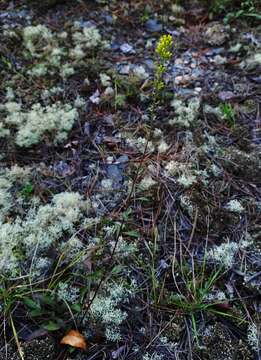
(194, 286)
(237, 9)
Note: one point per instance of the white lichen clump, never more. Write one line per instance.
(174, 168)
(8, 178)
(187, 204)
(153, 356)
(140, 72)
(105, 80)
(147, 183)
(5, 196)
(36, 37)
(52, 54)
(235, 206)
(187, 180)
(215, 296)
(253, 337)
(68, 293)
(32, 125)
(140, 144)
(23, 241)
(86, 37)
(183, 173)
(123, 248)
(225, 254)
(48, 93)
(107, 184)
(185, 114)
(106, 310)
(162, 146)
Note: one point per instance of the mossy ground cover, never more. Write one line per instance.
(130, 181)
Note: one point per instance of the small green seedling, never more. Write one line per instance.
(228, 114)
(27, 190)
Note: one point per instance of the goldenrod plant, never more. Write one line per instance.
(164, 52)
(164, 48)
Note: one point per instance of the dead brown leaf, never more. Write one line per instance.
(74, 339)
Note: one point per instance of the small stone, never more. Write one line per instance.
(95, 98)
(226, 95)
(216, 51)
(256, 79)
(178, 61)
(150, 64)
(197, 73)
(182, 80)
(127, 48)
(109, 19)
(153, 25)
(145, 117)
(124, 69)
(198, 89)
(185, 93)
(220, 60)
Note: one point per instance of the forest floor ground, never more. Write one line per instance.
(133, 220)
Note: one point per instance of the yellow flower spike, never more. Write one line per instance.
(164, 47)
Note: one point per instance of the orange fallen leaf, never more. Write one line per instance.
(75, 339)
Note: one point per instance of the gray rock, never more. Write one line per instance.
(115, 171)
(109, 19)
(220, 60)
(256, 79)
(185, 93)
(153, 25)
(216, 51)
(123, 161)
(150, 64)
(226, 95)
(124, 69)
(127, 48)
